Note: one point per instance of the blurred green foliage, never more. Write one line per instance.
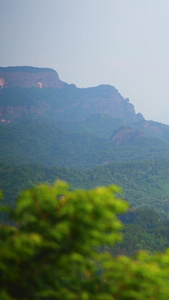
(54, 250)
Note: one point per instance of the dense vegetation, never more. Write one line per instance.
(46, 144)
(58, 249)
(75, 135)
(145, 186)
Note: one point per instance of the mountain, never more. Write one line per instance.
(38, 93)
(28, 92)
(57, 125)
(89, 137)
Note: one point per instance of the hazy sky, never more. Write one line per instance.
(124, 43)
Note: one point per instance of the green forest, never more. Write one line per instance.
(146, 192)
(64, 154)
(61, 243)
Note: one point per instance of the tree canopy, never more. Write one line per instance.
(58, 249)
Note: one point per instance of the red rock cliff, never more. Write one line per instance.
(27, 77)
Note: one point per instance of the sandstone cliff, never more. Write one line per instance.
(25, 93)
(27, 77)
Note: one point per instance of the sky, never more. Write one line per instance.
(124, 43)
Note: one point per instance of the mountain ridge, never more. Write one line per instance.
(77, 130)
(27, 92)
(99, 111)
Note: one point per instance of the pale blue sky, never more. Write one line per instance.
(124, 43)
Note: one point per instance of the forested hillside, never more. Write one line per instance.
(88, 137)
(145, 184)
(46, 144)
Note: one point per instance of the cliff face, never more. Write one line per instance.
(105, 99)
(37, 93)
(10, 113)
(127, 136)
(27, 77)
(25, 93)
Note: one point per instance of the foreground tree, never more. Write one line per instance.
(57, 249)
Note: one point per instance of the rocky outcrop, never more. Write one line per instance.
(9, 113)
(127, 136)
(27, 77)
(105, 99)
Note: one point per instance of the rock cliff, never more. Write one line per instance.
(27, 77)
(25, 92)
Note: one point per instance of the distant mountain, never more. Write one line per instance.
(57, 124)
(27, 92)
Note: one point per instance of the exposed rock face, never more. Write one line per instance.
(127, 136)
(64, 102)
(9, 113)
(105, 99)
(27, 77)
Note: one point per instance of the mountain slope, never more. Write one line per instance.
(38, 93)
(46, 144)
(145, 184)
